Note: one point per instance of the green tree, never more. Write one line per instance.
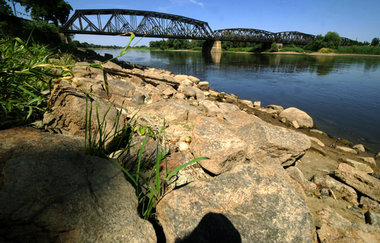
(5, 10)
(375, 42)
(332, 40)
(47, 10)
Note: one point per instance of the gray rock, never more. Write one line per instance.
(138, 99)
(294, 114)
(372, 218)
(298, 176)
(210, 139)
(69, 111)
(359, 180)
(341, 191)
(247, 204)
(69, 197)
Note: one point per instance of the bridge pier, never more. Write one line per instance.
(211, 46)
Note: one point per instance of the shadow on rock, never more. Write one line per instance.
(213, 227)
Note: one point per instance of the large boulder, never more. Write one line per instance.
(247, 204)
(301, 117)
(68, 197)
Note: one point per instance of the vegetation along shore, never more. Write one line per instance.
(97, 150)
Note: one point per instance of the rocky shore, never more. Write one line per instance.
(270, 177)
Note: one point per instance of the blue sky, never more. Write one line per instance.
(355, 19)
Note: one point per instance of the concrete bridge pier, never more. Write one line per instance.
(211, 46)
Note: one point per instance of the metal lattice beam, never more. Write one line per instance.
(162, 25)
(141, 23)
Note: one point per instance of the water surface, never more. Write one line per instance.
(341, 93)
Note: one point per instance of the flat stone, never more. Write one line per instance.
(210, 107)
(340, 190)
(294, 114)
(227, 107)
(359, 180)
(346, 149)
(316, 141)
(318, 132)
(257, 104)
(69, 197)
(247, 204)
(357, 165)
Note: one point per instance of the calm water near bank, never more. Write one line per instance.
(341, 93)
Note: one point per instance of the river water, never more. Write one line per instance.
(341, 93)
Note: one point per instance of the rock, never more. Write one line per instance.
(227, 107)
(248, 103)
(210, 107)
(204, 85)
(169, 91)
(295, 124)
(211, 139)
(257, 104)
(69, 197)
(138, 99)
(359, 180)
(340, 190)
(294, 114)
(297, 175)
(318, 132)
(335, 228)
(372, 218)
(369, 160)
(112, 66)
(247, 204)
(267, 141)
(187, 82)
(357, 165)
(369, 204)
(276, 108)
(180, 77)
(199, 94)
(195, 80)
(182, 146)
(346, 149)
(69, 111)
(317, 141)
(136, 81)
(187, 91)
(377, 155)
(359, 148)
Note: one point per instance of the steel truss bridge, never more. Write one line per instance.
(162, 25)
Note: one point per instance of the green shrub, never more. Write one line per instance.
(326, 50)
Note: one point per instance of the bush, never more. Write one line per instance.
(326, 50)
(273, 47)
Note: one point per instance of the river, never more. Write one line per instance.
(341, 93)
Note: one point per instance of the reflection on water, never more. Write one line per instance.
(341, 93)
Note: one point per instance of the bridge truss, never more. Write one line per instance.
(162, 25)
(141, 23)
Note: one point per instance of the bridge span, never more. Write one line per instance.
(162, 25)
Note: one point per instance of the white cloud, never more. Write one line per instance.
(197, 3)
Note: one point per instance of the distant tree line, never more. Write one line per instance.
(177, 44)
(94, 46)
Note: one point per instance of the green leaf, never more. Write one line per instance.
(96, 65)
(29, 113)
(184, 165)
(122, 53)
(27, 91)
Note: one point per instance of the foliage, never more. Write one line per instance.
(375, 42)
(46, 10)
(273, 47)
(94, 46)
(4, 8)
(149, 189)
(26, 78)
(292, 48)
(369, 50)
(332, 40)
(326, 50)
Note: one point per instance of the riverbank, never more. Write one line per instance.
(270, 161)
